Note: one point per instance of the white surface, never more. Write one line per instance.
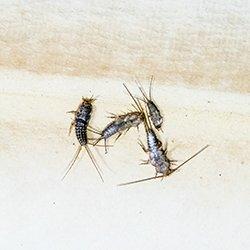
(203, 206)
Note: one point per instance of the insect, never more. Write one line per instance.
(162, 176)
(154, 112)
(122, 123)
(81, 123)
(157, 154)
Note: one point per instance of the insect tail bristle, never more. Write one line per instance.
(91, 156)
(190, 158)
(137, 181)
(72, 162)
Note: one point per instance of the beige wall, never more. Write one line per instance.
(204, 43)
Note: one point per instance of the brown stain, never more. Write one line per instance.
(104, 47)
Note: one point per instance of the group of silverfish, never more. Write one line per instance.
(149, 115)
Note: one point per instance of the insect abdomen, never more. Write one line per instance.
(111, 129)
(81, 134)
(81, 123)
(155, 115)
(152, 141)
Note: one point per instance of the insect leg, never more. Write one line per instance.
(71, 112)
(145, 162)
(92, 144)
(112, 115)
(173, 160)
(71, 127)
(99, 139)
(126, 130)
(118, 136)
(91, 129)
(105, 145)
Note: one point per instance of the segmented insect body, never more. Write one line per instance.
(82, 118)
(112, 128)
(81, 122)
(119, 125)
(157, 155)
(154, 112)
(155, 115)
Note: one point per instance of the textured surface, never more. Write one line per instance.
(203, 206)
(204, 43)
(54, 52)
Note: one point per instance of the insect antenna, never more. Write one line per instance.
(150, 87)
(72, 162)
(136, 103)
(161, 176)
(147, 122)
(142, 91)
(91, 156)
(91, 99)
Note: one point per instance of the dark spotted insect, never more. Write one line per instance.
(122, 123)
(154, 112)
(81, 124)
